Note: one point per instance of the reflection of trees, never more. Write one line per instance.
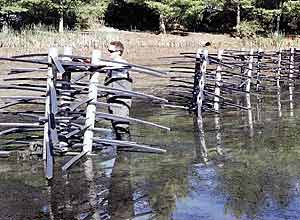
(120, 198)
(258, 181)
(25, 194)
(165, 183)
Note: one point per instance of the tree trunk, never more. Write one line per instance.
(162, 26)
(61, 23)
(238, 18)
(278, 18)
(278, 24)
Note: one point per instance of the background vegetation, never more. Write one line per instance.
(239, 17)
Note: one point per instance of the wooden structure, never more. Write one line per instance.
(211, 82)
(66, 117)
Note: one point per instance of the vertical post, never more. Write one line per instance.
(218, 134)
(259, 60)
(249, 71)
(248, 96)
(66, 79)
(242, 59)
(218, 82)
(201, 82)
(47, 149)
(291, 81)
(291, 66)
(91, 107)
(278, 74)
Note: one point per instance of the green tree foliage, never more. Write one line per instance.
(49, 12)
(194, 15)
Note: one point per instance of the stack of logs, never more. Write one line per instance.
(64, 91)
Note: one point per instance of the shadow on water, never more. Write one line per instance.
(236, 165)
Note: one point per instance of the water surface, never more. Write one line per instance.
(231, 170)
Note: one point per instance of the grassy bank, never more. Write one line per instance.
(141, 48)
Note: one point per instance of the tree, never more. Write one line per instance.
(180, 11)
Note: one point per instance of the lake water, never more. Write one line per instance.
(242, 172)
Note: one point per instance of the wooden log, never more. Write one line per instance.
(201, 82)
(91, 107)
(218, 82)
(291, 66)
(249, 71)
(74, 160)
(278, 73)
(258, 67)
(66, 79)
(129, 119)
(24, 61)
(128, 144)
(22, 125)
(47, 145)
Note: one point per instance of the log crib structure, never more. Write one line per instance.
(54, 108)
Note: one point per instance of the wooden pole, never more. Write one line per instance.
(218, 83)
(258, 72)
(47, 151)
(249, 71)
(291, 66)
(66, 77)
(248, 87)
(201, 78)
(291, 81)
(278, 74)
(91, 107)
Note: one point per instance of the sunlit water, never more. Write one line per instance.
(245, 173)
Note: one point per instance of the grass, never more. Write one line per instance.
(140, 47)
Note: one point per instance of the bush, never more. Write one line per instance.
(248, 29)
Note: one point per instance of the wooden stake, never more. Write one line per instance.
(91, 108)
(201, 78)
(66, 77)
(218, 83)
(249, 72)
(47, 151)
(278, 74)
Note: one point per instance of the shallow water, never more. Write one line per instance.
(245, 172)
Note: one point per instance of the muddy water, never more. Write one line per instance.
(231, 170)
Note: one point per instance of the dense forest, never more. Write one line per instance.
(241, 17)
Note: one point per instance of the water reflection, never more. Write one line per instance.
(120, 199)
(201, 150)
(291, 91)
(209, 172)
(279, 102)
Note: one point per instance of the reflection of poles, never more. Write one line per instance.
(291, 89)
(258, 108)
(218, 134)
(250, 119)
(92, 194)
(279, 103)
(201, 152)
(120, 200)
(50, 202)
